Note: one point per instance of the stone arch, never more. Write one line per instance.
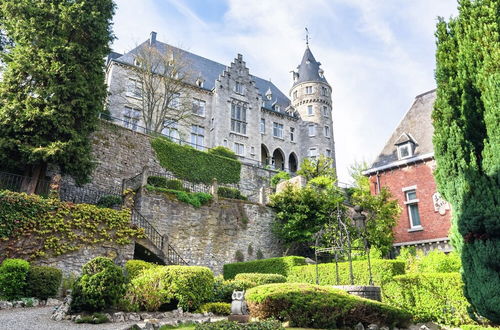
(293, 162)
(279, 159)
(264, 155)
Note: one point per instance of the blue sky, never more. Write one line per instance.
(377, 54)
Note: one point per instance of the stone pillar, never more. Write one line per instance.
(144, 177)
(214, 188)
(262, 195)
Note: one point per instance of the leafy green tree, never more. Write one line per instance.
(467, 143)
(53, 83)
(321, 166)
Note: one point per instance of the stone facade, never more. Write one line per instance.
(211, 235)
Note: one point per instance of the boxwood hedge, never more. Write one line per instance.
(195, 166)
(281, 265)
(260, 279)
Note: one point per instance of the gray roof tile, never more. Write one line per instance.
(308, 69)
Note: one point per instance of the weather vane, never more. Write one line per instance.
(307, 37)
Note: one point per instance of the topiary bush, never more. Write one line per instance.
(134, 268)
(228, 192)
(227, 325)
(223, 152)
(281, 265)
(109, 201)
(101, 285)
(157, 181)
(13, 273)
(190, 286)
(260, 279)
(436, 297)
(305, 305)
(218, 308)
(43, 282)
(223, 289)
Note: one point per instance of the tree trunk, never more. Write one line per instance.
(32, 176)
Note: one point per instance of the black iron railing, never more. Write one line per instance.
(189, 186)
(133, 183)
(173, 257)
(151, 233)
(84, 195)
(18, 183)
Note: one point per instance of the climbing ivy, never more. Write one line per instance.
(32, 226)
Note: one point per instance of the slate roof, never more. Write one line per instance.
(416, 126)
(308, 69)
(209, 71)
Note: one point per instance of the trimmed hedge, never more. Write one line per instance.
(13, 273)
(281, 265)
(43, 282)
(223, 152)
(436, 297)
(382, 272)
(190, 286)
(260, 279)
(228, 192)
(227, 325)
(195, 166)
(223, 290)
(135, 267)
(157, 181)
(305, 305)
(218, 308)
(196, 199)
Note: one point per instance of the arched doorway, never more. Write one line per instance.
(264, 155)
(292, 162)
(278, 159)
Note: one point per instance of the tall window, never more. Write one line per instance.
(313, 152)
(324, 91)
(312, 130)
(327, 131)
(262, 125)
(278, 130)
(292, 134)
(238, 118)
(239, 88)
(131, 117)
(199, 107)
(328, 153)
(310, 111)
(198, 137)
(295, 95)
(325, 111)
(176, 101)
(412, 206)
(239, 149)
(170, 129)
(309, 90)
(134, 88)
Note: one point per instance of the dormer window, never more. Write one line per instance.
(321, 73)
(405, 150)
(277, 107)
(199, 82)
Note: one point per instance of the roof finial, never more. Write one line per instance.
(307, 37)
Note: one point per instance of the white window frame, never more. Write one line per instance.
(324, 91)
(312, 152)
(311, 130)
(401, 147)
(198, 137)
(292, 134)
(262, 126)
(131, 117)
(278, 130)
(310, 110)
(412, 203)
(239, 118)
(175, 103)
(328, 153)
(327, 131)
(134, 88)
(309, 89)
(325, 111)
(239, 148)
(199, 105)
(171, 129)
(239, 88)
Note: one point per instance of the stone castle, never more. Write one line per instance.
(235, 109)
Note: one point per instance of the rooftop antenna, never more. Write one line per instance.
(307, 37)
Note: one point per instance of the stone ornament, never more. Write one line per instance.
(440, 205)
(239, 306)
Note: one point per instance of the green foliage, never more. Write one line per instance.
(176, 185)
(382, 272)
(278, 177)
(38, 227)
(195, 166)
(13, 273)
(228, 192)
(196, 199)
(135, 267)
(109, 201)
(101, 286)
(281, 265)
(238, 256)
(95, 318)
(223, 290)
(466, 120)
(321, 166)
(259, 255)
(260, 279)
(43, 282)
(53, 87)
(434, 262)
(223, 152)
(218, 308)
(475, 327)
(436, 297)
(305, 305)
(227, 325)
(158, 181)
(190, 286)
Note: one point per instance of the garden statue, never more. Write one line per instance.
(239, 306)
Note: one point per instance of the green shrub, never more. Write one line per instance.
(260, 279)
(259, 255)
(135, 267)
(176, 184)
(109, 201)
(434, 262)
(228, 192)
(218, 308)
(157, 181)
(101, 285)
(223, 290)
(305, 305)
(196, 166)
(43, 282)
(281, 265)
(238, 256)
(190, 286)
(382, 272)
(436, 297)
(195, 199)
(475, 327)
(227, 325)
(223, 152)
(280, 176)
(13, 273)
(95, 318)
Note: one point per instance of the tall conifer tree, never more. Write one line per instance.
(53, 83)
(467, 143)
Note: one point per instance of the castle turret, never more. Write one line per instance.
(312, 100)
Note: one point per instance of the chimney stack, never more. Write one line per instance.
(152, 38)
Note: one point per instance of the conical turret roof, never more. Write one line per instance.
(309, 69)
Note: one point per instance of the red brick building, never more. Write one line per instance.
(405, 167)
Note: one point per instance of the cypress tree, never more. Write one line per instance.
(53, 87)
(467, 143)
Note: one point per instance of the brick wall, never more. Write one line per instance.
(433, 223)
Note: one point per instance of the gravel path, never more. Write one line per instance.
(38, 318)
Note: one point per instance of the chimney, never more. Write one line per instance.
(152, 38)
